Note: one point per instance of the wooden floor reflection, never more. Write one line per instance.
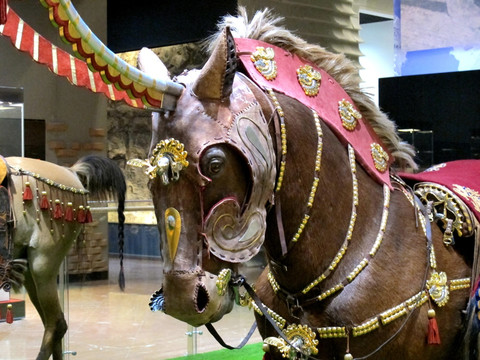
(105, 323)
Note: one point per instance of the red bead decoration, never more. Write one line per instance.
(44, 201)
(81, 215)
(9, 318)
(88, 216)
(27, 192)
(58, 211)
(69, 212)
(433, 335)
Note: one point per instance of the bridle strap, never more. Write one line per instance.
(219, 339)
(278, 208)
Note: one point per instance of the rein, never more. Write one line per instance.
(240, 281)
(219, 339)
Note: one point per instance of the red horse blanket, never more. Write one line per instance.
(461, 176)
(313, 87)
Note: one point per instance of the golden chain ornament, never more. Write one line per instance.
(283, 130)
(348, 236)
(313, 190)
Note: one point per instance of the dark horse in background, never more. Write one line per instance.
(46, 214)
(273, 144)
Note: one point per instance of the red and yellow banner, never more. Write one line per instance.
(61, 63)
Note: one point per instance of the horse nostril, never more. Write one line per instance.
(202, 298)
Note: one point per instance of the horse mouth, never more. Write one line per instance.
(192, 297)
(201, 298)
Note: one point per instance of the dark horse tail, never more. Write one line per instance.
(105, 180)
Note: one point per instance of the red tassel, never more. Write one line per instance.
(9, 318)
(433, 337)
(69, 212)
(88, 216)
(81, 215)
(3, 12)
(44, 201)
(58, 211)
(27, 192)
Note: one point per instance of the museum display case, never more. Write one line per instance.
(11, 121)
(12, 304)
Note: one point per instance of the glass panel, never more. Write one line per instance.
(11, 121)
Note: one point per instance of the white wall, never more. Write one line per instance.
(378, 50)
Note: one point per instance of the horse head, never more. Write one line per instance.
(212, 170)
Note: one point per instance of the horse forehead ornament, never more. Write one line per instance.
(167, 160)
(234, 232)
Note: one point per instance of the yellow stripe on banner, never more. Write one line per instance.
(18, 40)
(92, 81)
(35, 45)
(54, 60)
(74, 70)
(110, 91)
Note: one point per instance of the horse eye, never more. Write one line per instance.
(215, 165)
(213, 162)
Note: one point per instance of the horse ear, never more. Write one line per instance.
(216, 78)
(151, 64)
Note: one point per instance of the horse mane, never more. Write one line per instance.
(264, 26)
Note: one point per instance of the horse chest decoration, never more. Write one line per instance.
(278, 147)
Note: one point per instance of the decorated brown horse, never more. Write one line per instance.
(43, 209)
(273, 143)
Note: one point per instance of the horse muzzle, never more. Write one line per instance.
(193, 297)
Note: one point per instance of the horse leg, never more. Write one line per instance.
(44, 290)
(32, 293)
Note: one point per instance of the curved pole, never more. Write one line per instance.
(113, 68)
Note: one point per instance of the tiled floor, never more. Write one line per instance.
(105, 323)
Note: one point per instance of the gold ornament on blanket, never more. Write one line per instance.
(263, 60)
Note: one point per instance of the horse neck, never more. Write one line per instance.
(330, 214)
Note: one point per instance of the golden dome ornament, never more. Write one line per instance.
(438, 288)
(348, 114)
(380, 157)
(309, 79)
(300, 336)
(263, 60)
